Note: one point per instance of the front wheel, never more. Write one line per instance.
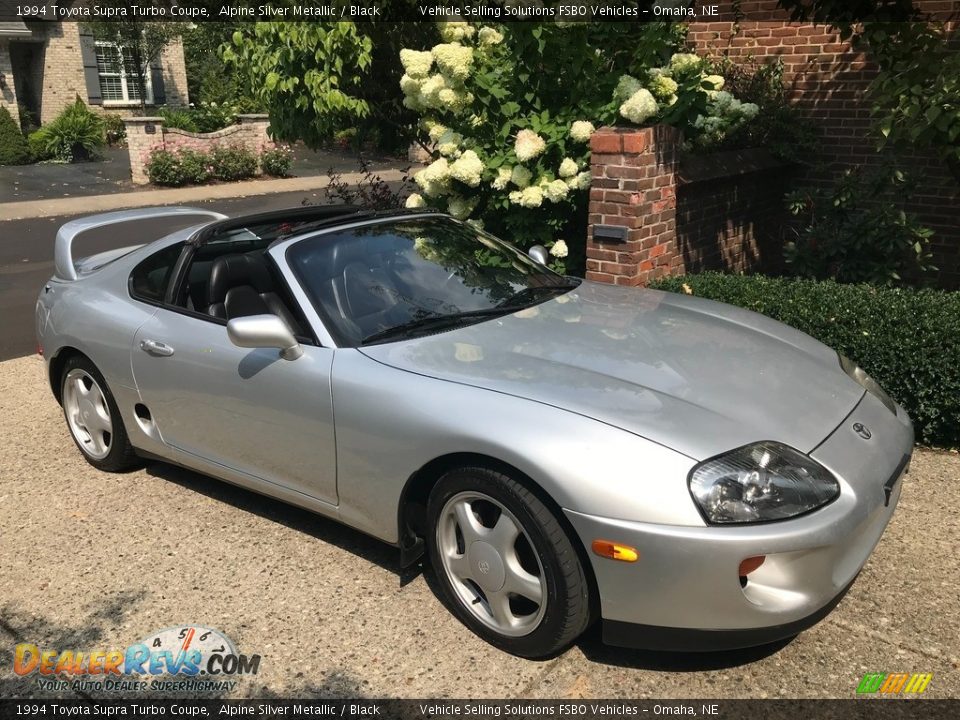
(505, 565)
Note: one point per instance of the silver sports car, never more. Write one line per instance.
(695, 475)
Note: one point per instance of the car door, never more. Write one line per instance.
(246, 409)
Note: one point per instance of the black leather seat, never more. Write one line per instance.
(242, 285)
(361, 290)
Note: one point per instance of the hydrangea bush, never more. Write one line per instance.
(508, 112)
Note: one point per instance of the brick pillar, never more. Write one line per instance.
(633, 205)
(144, 134)
(254, 132)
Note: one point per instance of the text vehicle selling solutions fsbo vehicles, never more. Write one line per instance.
(693, 475)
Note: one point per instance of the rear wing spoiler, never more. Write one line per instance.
(64, 267)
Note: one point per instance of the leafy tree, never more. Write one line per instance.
(144, 39)
(916, 93)
(317, 78)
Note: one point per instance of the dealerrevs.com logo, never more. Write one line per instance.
(894, 683)
(188, 658)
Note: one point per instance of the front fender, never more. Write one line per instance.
(390, 423)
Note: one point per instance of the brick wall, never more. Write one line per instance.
(680, 214)
(174, 70)
(8, 94)
(249, 132)
(63, 78)
(633, 187)
(827, 81)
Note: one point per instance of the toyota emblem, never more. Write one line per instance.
(862, 430)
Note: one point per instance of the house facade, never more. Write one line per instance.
(45, 66)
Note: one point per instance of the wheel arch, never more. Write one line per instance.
(411, 514)
(56, 365)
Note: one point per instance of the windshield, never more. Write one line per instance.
(401, 278)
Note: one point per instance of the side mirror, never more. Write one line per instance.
(264, 331)
(539, 254)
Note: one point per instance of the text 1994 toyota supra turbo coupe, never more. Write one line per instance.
(696, 475)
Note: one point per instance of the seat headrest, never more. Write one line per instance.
(232, 271)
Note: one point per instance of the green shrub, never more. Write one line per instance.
(907, 339)
(114, 129)
(858, 231)
(196, 166)
(76, 135)
(276, 161)
(203, 118)
(165, 168)
(179, 118)
(37, 141)
(233, 163)
(14, 149)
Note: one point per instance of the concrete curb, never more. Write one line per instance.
(175, 196)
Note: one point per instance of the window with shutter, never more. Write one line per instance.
(118, 78)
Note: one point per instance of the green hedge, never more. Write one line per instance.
(907, 339)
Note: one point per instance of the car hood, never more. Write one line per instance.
(695, 375)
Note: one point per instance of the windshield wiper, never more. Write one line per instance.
(433, 322)
(535, 293)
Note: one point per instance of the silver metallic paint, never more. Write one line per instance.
(605, 397)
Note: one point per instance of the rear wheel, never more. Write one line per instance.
(505, 565)
(93, 417)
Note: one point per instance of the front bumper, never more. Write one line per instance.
(685, 593)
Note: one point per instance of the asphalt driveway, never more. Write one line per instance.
(91, 560)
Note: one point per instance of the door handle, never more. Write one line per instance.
(152, 347)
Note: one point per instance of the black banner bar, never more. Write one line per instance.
(560, 11)
(357, 709)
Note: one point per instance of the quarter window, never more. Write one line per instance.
(150, 278)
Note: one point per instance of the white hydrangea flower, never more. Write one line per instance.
(448, 144)
(531, 197)
(454, 100)
(626, 87)
(528, 145)
(454, 59)
(415, 200)
(716, 82)
(467, 169)
(520, 176)
(434, 179)
(568, 168)
(683, 63)
(413, 102)
(663, 87)
(437, 131)
(430, 89)
(416, 63)
(502, 179)
(556, 190)
(489, 36)
(460, 207)
(559, 249)
(409, 85)
(453, 31)
(475, 121)
(640, 107)
(581, 130)
(581, 181)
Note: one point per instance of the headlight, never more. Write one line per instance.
(867, 382)
(760, 482)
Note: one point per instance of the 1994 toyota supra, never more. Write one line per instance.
(696, 475)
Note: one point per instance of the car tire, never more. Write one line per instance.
(93, 417)
(491, 542)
